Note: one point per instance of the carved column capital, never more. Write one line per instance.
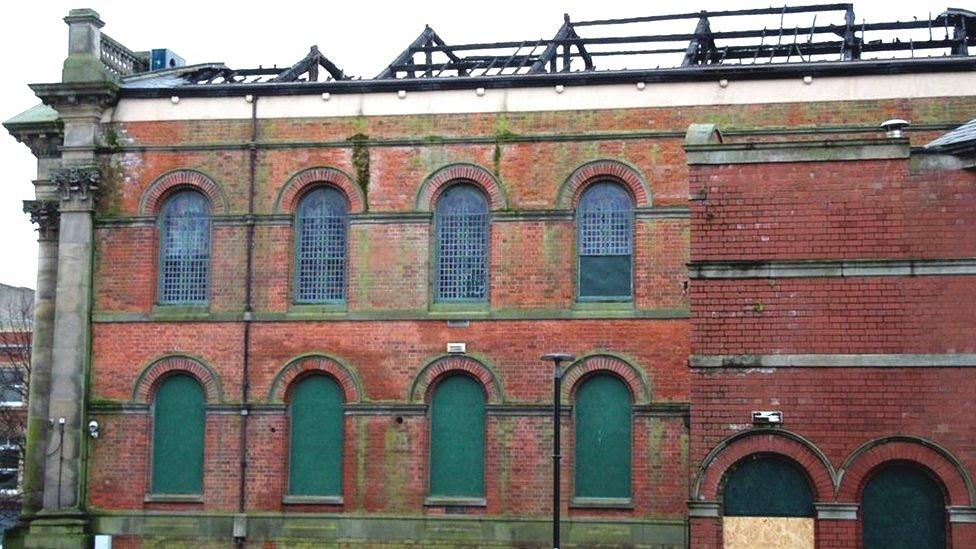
(81, 183)
(45, 214)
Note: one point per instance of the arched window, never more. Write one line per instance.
(604, 220)
(315, 451)
(184, 249)
(602, 438)
(457, 438)
(320, 247)
(903, 507)
(461, 226)
(178, 425)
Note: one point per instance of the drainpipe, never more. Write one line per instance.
(240, 521)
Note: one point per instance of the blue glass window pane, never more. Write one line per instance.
(320, 247)
(605, 225)
(184, 249)
(462, 245)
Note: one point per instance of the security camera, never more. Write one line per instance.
(93, 428)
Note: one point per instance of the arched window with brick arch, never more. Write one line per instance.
(457, 438)
(315, 413)
(177, 438)
(902, 506)
(605, 232)
(184, 249)
(602, 439)
(461, 250)
(321, 221)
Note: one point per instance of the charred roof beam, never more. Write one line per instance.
(310, 65)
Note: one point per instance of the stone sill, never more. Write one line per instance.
(173, 498)
(449, 501)
(311, 500)
(601, 503)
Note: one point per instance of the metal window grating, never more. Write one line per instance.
(320, 252)
(462, 245)
(605, 221)
(184, 249)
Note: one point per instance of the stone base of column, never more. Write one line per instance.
(57, 531)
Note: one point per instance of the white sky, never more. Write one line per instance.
(361, 37)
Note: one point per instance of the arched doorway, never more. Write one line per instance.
(767, 501)
(902, 507)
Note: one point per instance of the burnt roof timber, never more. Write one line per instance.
(700, 14)
(310, 64)
(697, 73)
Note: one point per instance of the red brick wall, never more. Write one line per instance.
(875, 209)
(532, 274)
(837, 210)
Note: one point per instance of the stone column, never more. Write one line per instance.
(72, 346)
(86, 90)
(45, 214)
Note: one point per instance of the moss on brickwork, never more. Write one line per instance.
(396, 447)
(360, 164)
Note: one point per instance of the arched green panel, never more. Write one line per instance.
(762, 486)
(903, 508)
(602, 438)
(457, 438)
(315, 458)
(178, 425)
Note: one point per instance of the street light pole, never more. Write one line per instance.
(557, 378)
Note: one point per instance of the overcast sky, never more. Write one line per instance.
(360, 36)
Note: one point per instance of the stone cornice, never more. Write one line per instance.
(796, 151)
(827, 360)
(62, 95)
(43, 138)
(821, 268)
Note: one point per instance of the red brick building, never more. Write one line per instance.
(292, 307)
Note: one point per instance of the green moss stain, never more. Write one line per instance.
(396, 450)
(657, 430)
(496, 160)
(360, 164)
(504, 434)
(361, 452)
(363, 279)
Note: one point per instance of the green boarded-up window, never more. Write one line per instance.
(764, 486)
(604, 221)
(903, 507)
(178, 423)
(315, 457)
(457, 438)
(602, 438)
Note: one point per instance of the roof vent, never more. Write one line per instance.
(894, 127)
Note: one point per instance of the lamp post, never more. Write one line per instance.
(557, 379)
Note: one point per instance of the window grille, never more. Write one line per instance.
(605, 240)
(462, 245)
(320, 247)
(184, 249)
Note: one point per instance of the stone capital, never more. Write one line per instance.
(45, 214)
(79, 183)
